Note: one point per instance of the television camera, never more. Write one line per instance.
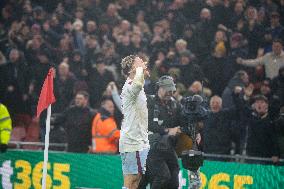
(195, 111)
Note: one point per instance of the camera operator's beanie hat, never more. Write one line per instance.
(167, 83)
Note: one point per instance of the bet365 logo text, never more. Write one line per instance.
(219, 181)
(22, 175)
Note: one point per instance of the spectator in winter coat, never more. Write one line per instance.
(105, 134)
(98, 79)
(240, 79)
(64, 88)
(277, 86)
(77, 121)
(261, 139)
(217, 132)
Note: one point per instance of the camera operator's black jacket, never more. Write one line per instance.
(169, 116)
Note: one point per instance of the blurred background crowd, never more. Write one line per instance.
(207, 46)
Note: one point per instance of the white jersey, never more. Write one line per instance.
(134, 128)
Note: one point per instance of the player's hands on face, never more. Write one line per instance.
(140, 63)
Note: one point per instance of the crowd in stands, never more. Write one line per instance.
(214, 47)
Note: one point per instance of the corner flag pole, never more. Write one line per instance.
(46, 145)
(45, 100)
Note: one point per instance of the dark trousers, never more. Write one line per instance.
(162, 170)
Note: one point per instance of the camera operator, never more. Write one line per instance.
(164, 121)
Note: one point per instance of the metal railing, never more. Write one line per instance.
(20, 144)
(63, 147)
(238, 157)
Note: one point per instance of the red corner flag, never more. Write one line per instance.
(46, 95)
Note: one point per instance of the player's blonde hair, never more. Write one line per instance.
(127, 63)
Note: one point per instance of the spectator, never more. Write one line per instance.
(111, 58)
(273, 100)
(216, 63)
(98, 79)
(261, 140)
(220, 12)
(180, 47)
(272, 61)
(277, 86)
(77, 121)
(122, 29)
(157, 10)
(240, 79)
(51, 36)
(129, 9)
(64, 88)
(112, 91)
(237, 14)
(55, 24)
(111, 17)
(78, 35)
(105, 134)
(189, 38)
(238, 46)
(175, 17)
(158, 39)
(93, 48)
(15, 81)
(77, 66)
(40, 70)
(67, 26)
(92, 28)
(36, 46)
(197, 88)
(217, 134)
(38, 15)
(137, 43)
(143, 25)
(252, 30)
(189, 70)
(179, 93)
(65, 48)
(274, 31)
(160, 66)
(124, 46)
(204, 33)
(80, 14)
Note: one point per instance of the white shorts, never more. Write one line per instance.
(134, 162)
